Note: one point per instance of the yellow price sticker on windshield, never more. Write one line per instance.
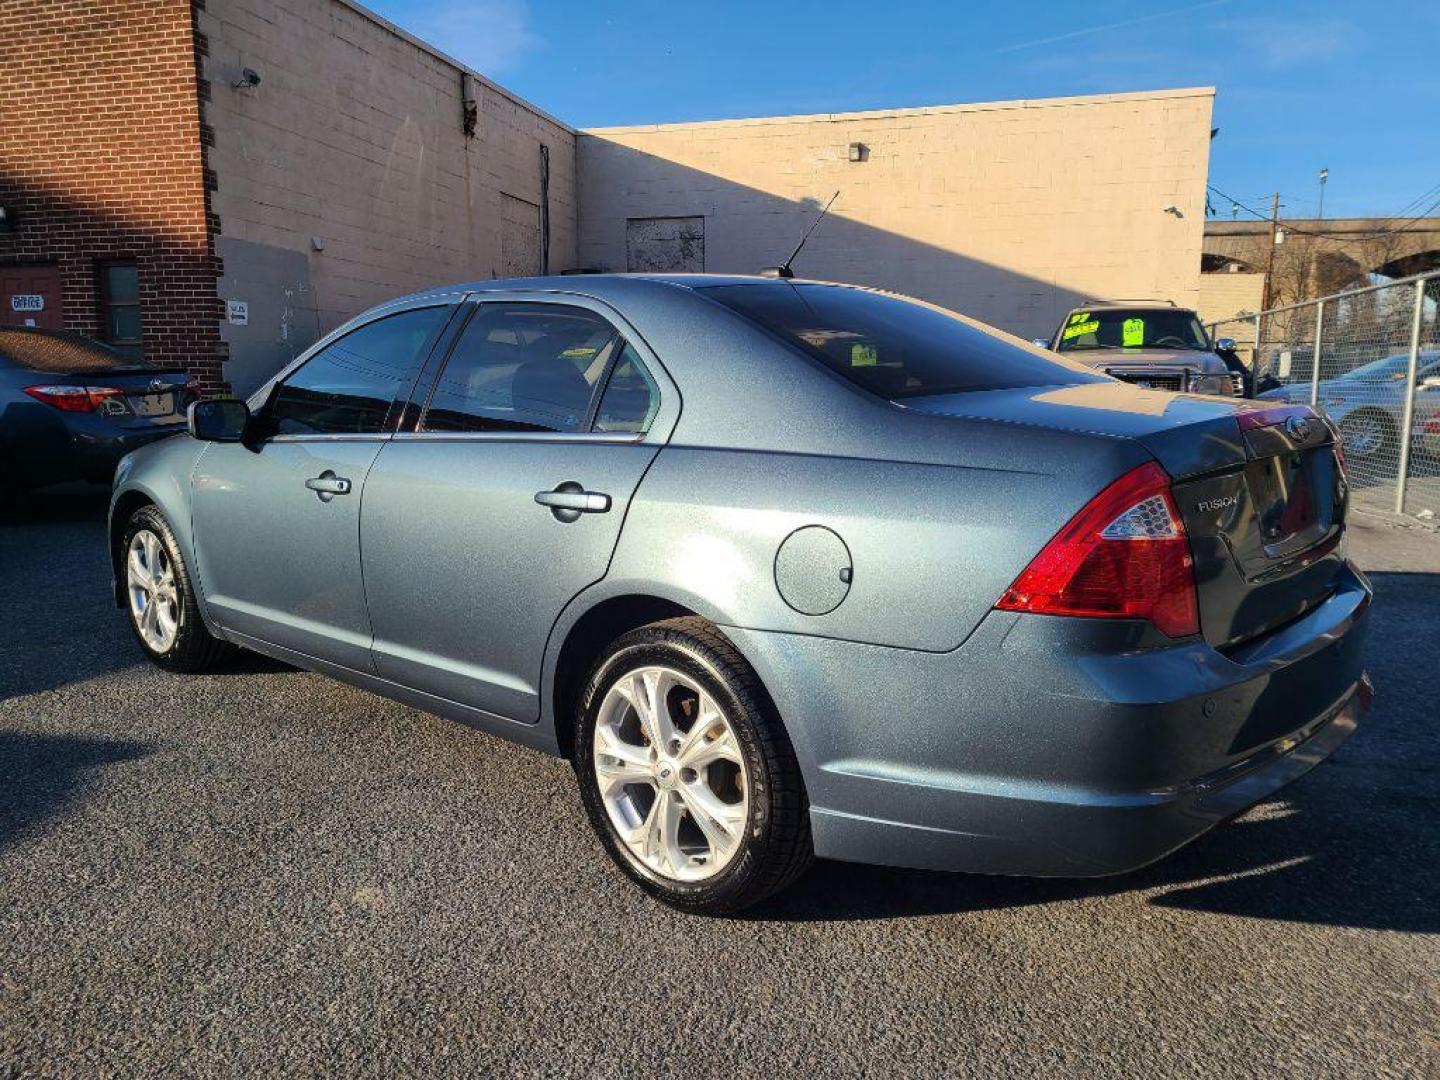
(1132, 333)
(863, 355)
(1078, 317)
(1080, 329)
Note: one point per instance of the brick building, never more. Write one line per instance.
(303, 159)
(217, 183)
(102, 177)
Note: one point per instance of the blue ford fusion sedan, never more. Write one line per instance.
(786, 569)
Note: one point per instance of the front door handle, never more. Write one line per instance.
(569, 500)
(327, 485)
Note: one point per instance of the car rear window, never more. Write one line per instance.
(58, 351)
(892, 346)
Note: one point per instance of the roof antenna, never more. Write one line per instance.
(783, 270)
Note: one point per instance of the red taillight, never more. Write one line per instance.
(76, 398)
(1125, 555)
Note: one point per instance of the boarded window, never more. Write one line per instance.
(519, 237)
(665, 245)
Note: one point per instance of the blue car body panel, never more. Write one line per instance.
(931, 729)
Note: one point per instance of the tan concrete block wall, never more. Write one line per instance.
(354, 137)
(1010, 211)
(1223, 295)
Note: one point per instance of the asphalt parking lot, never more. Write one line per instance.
(263, 871)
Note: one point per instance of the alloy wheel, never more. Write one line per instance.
(1363, 435)
(153, 592)
(670, 774)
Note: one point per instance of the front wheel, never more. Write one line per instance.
(686, 773)
(160, 596)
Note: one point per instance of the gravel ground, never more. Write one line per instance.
(263, 871)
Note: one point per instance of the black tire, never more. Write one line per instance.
(777, 847)
(194, 648)
(1388, 446)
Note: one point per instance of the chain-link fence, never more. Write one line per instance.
(1369, 359)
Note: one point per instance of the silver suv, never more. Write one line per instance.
(1150, 343)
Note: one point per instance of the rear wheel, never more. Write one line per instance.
(1368, 435)
(685, 772)
(160, 596)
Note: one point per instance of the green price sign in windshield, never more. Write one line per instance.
(1132, 333)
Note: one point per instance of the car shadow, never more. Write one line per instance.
(1355, 842)
(1327, 854)
(40, 775)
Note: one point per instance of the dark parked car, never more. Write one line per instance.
(71, 407)
(1150, 343)
(785, 568)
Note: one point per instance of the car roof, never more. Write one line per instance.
(609, 286)
(1131, 305)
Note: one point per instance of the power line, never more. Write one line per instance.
(1344, 237)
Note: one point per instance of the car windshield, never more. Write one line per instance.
(892, 346)
(1136, 328)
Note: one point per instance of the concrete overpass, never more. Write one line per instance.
(1321, 256)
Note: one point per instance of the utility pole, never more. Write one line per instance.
(1270, 255)
(1324, 175)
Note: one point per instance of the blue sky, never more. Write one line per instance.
(1351, 87)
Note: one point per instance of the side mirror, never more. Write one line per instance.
(1225, 344)
(1040, 342)
(218, 420)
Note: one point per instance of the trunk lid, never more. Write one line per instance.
(1260, 490)
(1266, 536)
(151, 396)
(154, 395)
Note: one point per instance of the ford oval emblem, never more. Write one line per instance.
(1298, 428)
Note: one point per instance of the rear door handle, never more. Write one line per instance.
(569, 500)
(327, 485)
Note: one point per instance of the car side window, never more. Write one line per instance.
(631, 398)
(348, 386)
(522, 367)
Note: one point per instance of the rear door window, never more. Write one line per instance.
(892, 346)
(631, 398)
(529, 367)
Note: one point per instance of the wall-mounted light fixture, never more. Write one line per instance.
(1172, 210)
(248, 79)
(8, 221)
(859, 152)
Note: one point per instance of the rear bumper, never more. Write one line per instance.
(96, 453)
(1053, 747)
(70, 447)
(1085, 834)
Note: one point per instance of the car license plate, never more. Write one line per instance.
(153, 404)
